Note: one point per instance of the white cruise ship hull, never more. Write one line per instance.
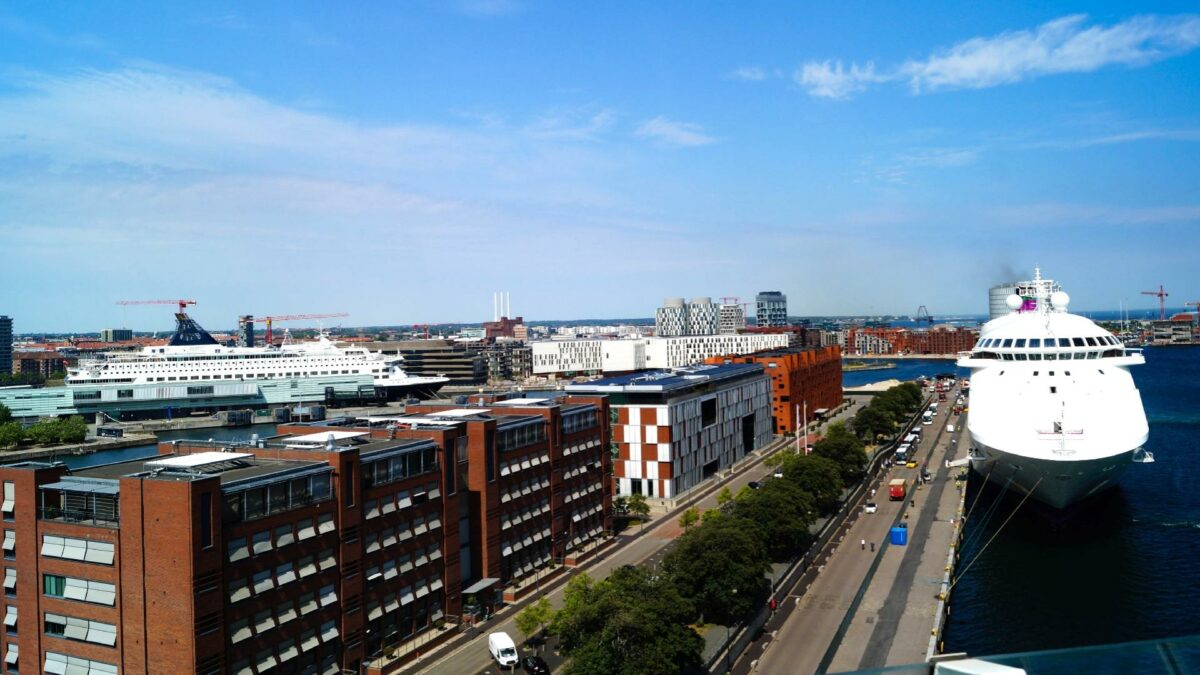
(1056, 483)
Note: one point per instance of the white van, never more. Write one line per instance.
(927, 418)
(503, 649)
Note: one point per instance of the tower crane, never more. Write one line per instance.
(182, 303)
(1162, 301)
(270, 320)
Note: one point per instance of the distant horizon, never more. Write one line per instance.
(1140, 314)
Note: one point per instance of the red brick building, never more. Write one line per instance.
(44, 364)
(943, 339)
(230, 558)
(809, 378)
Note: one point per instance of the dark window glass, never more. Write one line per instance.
(206, 520)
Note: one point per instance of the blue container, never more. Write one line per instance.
(899, 536)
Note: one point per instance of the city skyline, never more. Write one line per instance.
(399, 165)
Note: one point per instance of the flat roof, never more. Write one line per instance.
(197, 460)
(239, 469)
(663, 381)
(524, 401)
(323, 436)
(102, 486)
(459, 412)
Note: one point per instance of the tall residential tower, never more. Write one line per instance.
(772, 309)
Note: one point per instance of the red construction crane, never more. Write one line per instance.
(182, 303)
(418, 326)
(1162, 301)
(269, 320)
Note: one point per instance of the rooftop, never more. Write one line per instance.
(236, 466)
(663, 381)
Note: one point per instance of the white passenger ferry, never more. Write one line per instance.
(193, 356)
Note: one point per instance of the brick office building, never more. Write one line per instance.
(537, 482)
(674, 429)
(800, 378)
(229, 558)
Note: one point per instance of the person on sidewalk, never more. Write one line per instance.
(864, 544)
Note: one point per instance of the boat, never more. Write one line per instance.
(193, 356)
(1055, 412)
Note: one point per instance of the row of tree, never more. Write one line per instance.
(887, 411)
(638, 622)
(44, 432)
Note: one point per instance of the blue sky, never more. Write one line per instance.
(402, 161)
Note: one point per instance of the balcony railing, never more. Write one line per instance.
(80, 517)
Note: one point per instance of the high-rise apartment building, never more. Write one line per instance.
(771, 309)
(731, 319)
(676, 318)
(6, 342)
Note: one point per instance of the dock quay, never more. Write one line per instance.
(85, 448)
(872, 603)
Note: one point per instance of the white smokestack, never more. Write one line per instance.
(495, 301)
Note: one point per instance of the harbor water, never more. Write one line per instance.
(139, 451)
(1119, 567)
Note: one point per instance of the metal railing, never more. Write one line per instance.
(79, 517)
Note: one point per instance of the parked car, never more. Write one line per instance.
(503, 649)
(870, 507)
(535, 665)
(778, 473)
(754, 485)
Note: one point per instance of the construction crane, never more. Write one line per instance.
(270, 320)
(1162, 301)
(923, 315)
(418, 326)
(182, 303)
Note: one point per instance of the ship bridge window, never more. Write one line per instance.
(1020, 343)
(1035, 342)
(1008, 342)
(1078, 342)
(1053, 390)
(1050, 356)
(1092, 342)
(1064, 342)
(1020, 357)
(1035, 357)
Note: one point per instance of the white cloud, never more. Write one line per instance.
(674, 133)
(582, 124)
(1064, 45)
(830, 79)
(749, 74)
(1123, 137)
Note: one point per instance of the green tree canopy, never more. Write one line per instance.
(874, 421)
(11, 433)
(842, 447)
(535, 615)
(689, 517)
(628, 623)
(783, 515)
(637, 506)
(5, 414)
(720, 566)
(818, 476)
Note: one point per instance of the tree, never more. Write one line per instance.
(783, 516)
(11, 433)
(638, 506)
(724, 496)
(43, 432)
(72, 430)
(842, 447)
(534, 617)
(819, 476)
(689, 518)
(628, 623)
(5, 414)
(620, 506)
(872, 422)
(720, 567)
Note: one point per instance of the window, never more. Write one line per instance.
(348, 485)
(1020, 343)
(262, 542)
(1078, 342)
(53, 585)
(236, 547)
(206, 520)
(708, 412)
(1008, 342)
(10, 581)
(1035, 343)
(10, 544)
(1064, 342)
(9, 500)
(263, 582)
(10, 619)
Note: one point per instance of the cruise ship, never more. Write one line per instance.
(1054, 410)
(192, 355)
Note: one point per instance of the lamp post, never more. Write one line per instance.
(728, 646)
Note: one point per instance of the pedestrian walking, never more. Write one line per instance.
(872, 547)
(864, 544)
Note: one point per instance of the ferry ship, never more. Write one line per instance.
(193, 373)
(193, 355)
(1054, 412)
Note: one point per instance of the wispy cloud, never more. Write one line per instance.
(749, 74)
(1186, 135)
(830, 79)
(581, 123)
(668, 131)
(1064, 45)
